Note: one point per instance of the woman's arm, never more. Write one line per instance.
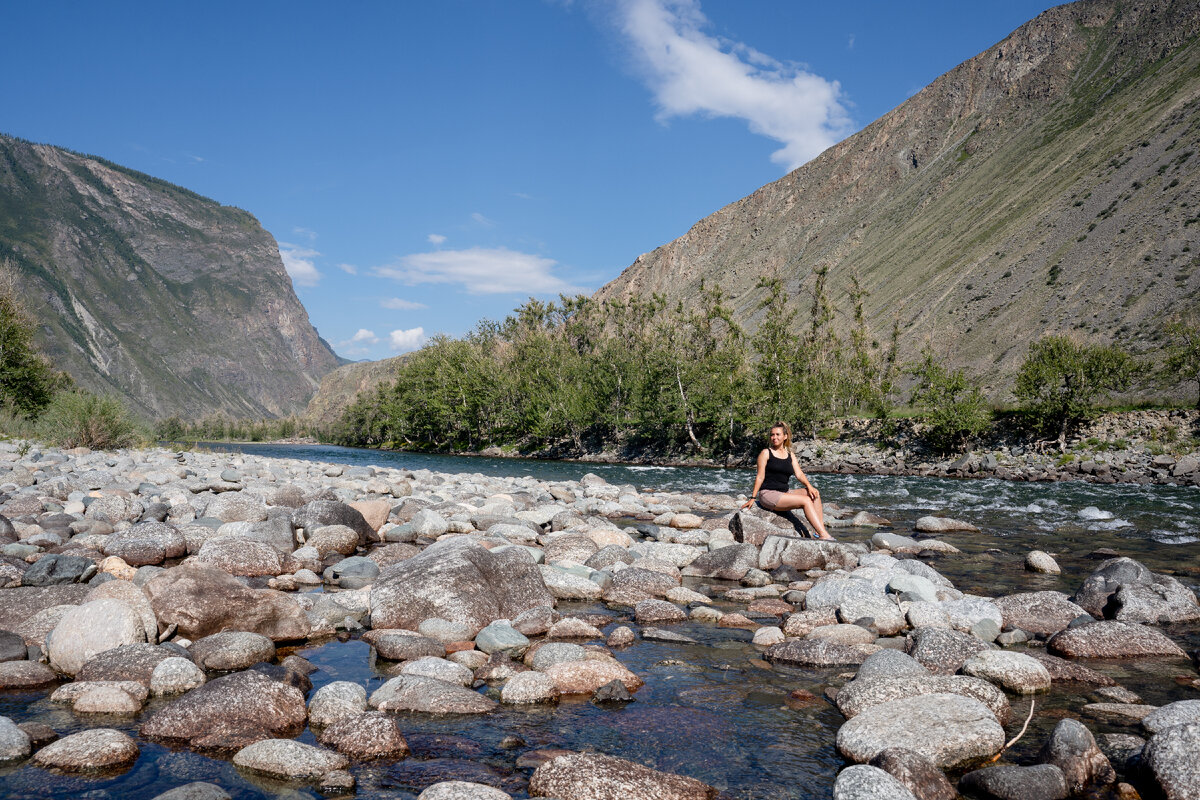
(758, 479)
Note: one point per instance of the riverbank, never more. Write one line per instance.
(264, 624)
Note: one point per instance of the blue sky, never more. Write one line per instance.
(428, 164)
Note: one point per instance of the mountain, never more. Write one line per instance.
(153, 293)
(1047, 185)
(339, 388)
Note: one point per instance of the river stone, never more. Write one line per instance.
(843, 634)
(237, 507)
(1064, 671)
(1181, 712)
(633, 584)
(1118, 713)
(240, 556)
(501, 636)
(365, 735)
(889, 664)
(799, 624)
(855, 599)
(202, 600)
(859, 695)
(591, 776)
(333, 539)
(1043, 613)
(57, 568)
(25, 675)
(92, 750)
(564, 585)
(94, 697)
(131, 595)
(570, 548)
(805, 554)
(1170, 757)
(942, 651)
(585, 677)
(320, 513)
(551, 653)
(1165, 602)
(1010, 782)
(130, 662)
(1038, 561)
(573, 628)
(813, 653)
(1112, 639)
(439, 668)
(230, 712)
(887, 540)
(289, 759)
(1107, 579)
(916, 772)
(926, 615)
(727, 563)
(232, 650)
(175, 675)
(444, 631)
(462, 790)
(1015, 672)
(649, 611)
(336, 701)
(397, 645)
(1073, 750)
(459, 580)
(89, 629)
(428, 695)
(968, 611)
(14, 742)
(931, 524)
(913, 587)
(948, 729)
(529, 687)
(146, 543)
(864, 782)
(113, 508)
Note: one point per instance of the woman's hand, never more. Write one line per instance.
(811, 492)
(747, 503)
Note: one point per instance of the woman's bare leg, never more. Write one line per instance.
(813, 510)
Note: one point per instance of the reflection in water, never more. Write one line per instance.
(712, 710)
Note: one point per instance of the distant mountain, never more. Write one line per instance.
(339, 388)
(151, 292)
(1048, 185)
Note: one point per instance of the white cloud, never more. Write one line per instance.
(298, 261)
(693, 73)
(399, 304)
(481, 271)
(480, 219)
(404, 341)
(365, 335)
(305, 233)
(436, 238)
(349, 269)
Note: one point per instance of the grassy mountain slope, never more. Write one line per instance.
(153, 293)
(339, 388)
(1047, 185)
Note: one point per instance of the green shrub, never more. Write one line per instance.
(27, 382)
(953, 406)
(82, 419)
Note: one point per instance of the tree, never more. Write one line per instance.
(1061, 382)
(954, 407)
(1182, 362)
(27, 381)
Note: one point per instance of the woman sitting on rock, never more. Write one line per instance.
(776, 465)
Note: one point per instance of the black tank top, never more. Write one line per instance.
(778, 473)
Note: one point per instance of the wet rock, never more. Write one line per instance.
(1181, 712)
(12, 647)
(320, 513)
(202, 600)
(889, 664)
(365, 736)
(612, 692)
(865, 782)
(233, 650)
(585, 677)
(89, 629)
(621, 636)
(859, 695)
(805, 554)
(501, 636)
(648, 611)
(428, 695)
(1074, 751)
(462, 790)
(918, 774)
(942, 651)
(1121, 749)
(131, 662)
(197, 790)
(146, 543)
(89, 751)
(439, 668)
(1118, 713)
(400, 645)
(58, 568)
(1170, 758)
(813, 653)
(586, 776)
(230, 712)
(1038, 561)
(529, 687)
(1112, 639)
(122, 698)
(175, 675)
(948, 729)
(14, 742)
(855, 599)
(1043, 613)
(240, 556)
(1063, 671)
(458, 580)
(727, 563)
(1124, 589)
(336, 701)
(573, 628)
(25, 675)
(288, 759)
(1015, 672)
(1008, 782)
(930, 524)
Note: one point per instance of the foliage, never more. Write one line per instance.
(1062, 381)
(219, 428)
(82, 419)
(1182, 353)
(953, 406)
(27, 381)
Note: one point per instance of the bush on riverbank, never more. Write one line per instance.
(82, 419)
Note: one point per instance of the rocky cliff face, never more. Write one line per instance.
(339, 388)
(153, 293)
(1047, 185)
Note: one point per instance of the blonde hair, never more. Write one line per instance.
(787, 433)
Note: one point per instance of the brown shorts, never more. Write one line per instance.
(769, 499)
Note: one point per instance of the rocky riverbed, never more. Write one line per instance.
(175, 603)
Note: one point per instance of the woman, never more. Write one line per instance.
(776, 465)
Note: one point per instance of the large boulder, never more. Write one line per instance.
(429, 696)
(1112, 639)
(865, 782)
(1073, 749)
(854, 599)
(89, 751)
(229, 713)
(592, 776)
(146, 543)
(202, 600)
(365, 736)
(942, 651)
(231, 650)
(89, 629)
(1126, 590)
(1170, 758)
(805, 554)
(729, 563)
(948, 729)
(240, 556)
(289, 760)
(458, 580)
(1044, 613)
(1015, 672)
(320, 513)
(813, 653)
(130, 662)
(860, 694)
